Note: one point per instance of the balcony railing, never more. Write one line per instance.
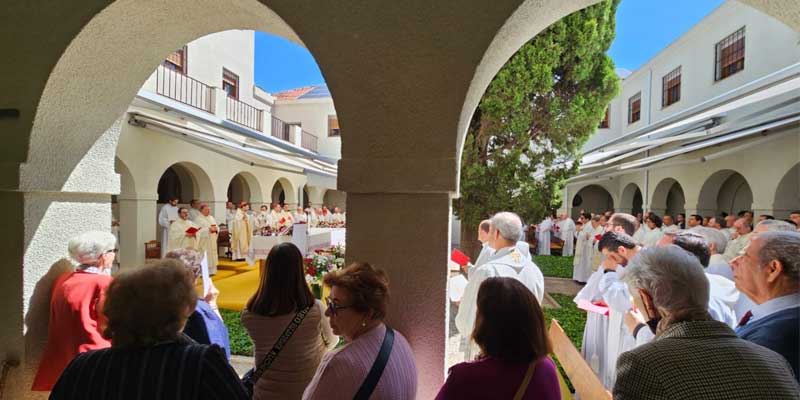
(244, 114)
(184, 89)
(282, 130)
(309, 141)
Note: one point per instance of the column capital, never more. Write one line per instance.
(398, 175)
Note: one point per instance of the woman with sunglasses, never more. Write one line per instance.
(357, 307)
(75, 302)
(282, 295)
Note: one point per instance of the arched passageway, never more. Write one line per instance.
(592, 198)
(787, 194)
(668, 198)
(282, 192)
(185, 181)
(245, 187)
(725, 191)
(631, 200)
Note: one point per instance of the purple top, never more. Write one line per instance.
(491, 378)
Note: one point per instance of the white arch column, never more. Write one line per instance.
(137, 226)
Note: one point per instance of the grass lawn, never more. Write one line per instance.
(554, 266)
(571, 320)
(240, 340)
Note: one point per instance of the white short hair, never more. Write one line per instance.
(712, 235)
(87, 248)
(673, 277)
(776, 225)
(508, 224)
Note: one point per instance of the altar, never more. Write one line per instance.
(306, 239)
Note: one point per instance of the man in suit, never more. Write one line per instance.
(692, 356)
(769, 273)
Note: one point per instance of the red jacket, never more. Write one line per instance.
(73, 324)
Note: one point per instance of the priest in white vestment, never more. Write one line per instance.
(185, 233)
(505, 231)
(653, 233)
(668, 225)
(313, 216)
(566, 229)
(300, 216)
(207, 244)
(230, 213)
(544, 229)
(167, 215)
(585, 259)
(242, 232)
(735, 246)
(264, 218)
(194, 209)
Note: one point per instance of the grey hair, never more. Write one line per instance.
(776, 225)
(784, 247)
(87, 248)
(190, 258)
(508, 224)
(673, 277)
(712, 236)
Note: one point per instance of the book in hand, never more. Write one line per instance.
(459, 258)
(192, 231)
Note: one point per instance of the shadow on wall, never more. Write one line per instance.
(37, 319)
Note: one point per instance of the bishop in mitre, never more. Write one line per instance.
(184, 232)
(207, 244)
(242, 232)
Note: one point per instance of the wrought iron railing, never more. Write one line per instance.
(309, 141)
(180, 87)
(244, 114)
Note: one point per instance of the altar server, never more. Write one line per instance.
(566, 229)
(184, 233)
(167, 215)
(654, 232)
(242, 232)
(207, 244)
(585, 255)
(504, 233)
(544, 229)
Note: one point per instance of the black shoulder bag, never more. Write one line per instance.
(374, 375)
(253, 375)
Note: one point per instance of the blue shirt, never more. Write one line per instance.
(205, 327)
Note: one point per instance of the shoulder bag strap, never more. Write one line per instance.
(374, 375)
(276, 349)
(525, 382)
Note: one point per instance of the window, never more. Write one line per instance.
(671, 87)
(176, 61)
(230, 83)
(729, 55)
(333, 126)
(635, 108)
(604, 123)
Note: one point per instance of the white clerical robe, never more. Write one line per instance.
(584, 257)
(193, 213)
(507, 262)
(544, 236)
(300, 218)
(640, 233)
(337, 218)
(241, 234)
(566, 229)
(595, 332)
(167, 214)
(619, 301)
(208, 243)
(651, 237)
(178, 238)
(735, 246)
(264, 220)
(670, 229)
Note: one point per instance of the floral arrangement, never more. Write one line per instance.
(330, 224)
(321, 262)
(270, 231)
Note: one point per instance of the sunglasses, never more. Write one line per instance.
(334, 307)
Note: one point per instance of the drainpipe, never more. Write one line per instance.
(646, 193)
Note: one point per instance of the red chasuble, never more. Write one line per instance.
(73, 324)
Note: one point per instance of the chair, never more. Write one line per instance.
(152, 250)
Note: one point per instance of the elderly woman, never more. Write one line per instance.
(357, 307)
(75, 325)
(150, 359)
(282, 294)
(205, 324)
(513, 341)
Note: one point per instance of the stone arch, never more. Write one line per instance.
(592, 198)
(283, 192)
(127, 182)
(335, 198)
(724, 191)
(668, 198)
(631, 200)
(186, 180)
(787, 193)
(244, 186)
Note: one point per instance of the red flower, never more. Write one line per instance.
(312, 270)
(597, 237)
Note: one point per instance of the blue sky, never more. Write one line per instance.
(644, 27)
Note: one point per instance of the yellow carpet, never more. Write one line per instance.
(236, 290)
(227, 264)
(222, 274)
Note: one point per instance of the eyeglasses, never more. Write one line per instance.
(115, 251)
(334, 307)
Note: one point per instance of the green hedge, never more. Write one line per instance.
(554, 266)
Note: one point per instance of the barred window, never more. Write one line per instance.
(729, 55)
(176, 61)
(671, 87)
(604, 124)
(230, 83)
(635, 108)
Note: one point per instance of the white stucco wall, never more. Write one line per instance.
(313, 115)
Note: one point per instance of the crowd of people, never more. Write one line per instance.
(196, 228)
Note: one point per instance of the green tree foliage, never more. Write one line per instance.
(535, 115)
